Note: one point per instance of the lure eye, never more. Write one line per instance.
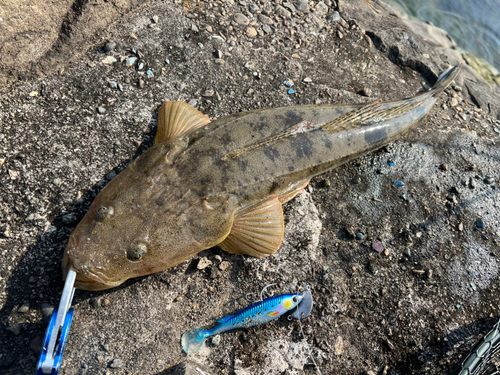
(136, 252)
(295, 299)
(104, 212)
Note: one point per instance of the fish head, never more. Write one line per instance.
(135, 226)
(291, 301)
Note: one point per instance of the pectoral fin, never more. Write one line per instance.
(176, 119)
(257, 229)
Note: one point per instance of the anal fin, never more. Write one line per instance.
(257, 229)
(176, 119)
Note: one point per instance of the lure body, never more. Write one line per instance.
(258, 313)
(223, 183)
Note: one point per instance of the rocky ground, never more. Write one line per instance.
(404, 278)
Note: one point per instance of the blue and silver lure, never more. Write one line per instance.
(258, 313)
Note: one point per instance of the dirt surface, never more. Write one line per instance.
(417, 306)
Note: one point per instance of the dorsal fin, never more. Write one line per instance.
(176, 119)
(257, 229)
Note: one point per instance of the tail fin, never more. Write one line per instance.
(445, 79)
(193, 340)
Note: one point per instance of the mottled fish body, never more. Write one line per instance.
(224, 182)
(258, 313)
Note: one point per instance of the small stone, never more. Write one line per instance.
(108, 60)
(488, 180)
(321, 8)
(334, 17)
(461, 227)
(156, 19)
(267, 29)
(445, 116)
(141, 83)
(339, 346)
(282, 12)
(95, 302)
(209, 28)
(251, 32)
(407, 253)
(149, 73)
(140, 66)
(302, 5)
(194, 28)
(24, 308)
(130, 61)
(419, 272)
(391, 163)
(120, 87)
(208, 93)
(241, 19)
(116, 363)
(398, 183)
(101, 110)
(479, 223)
(112, 84)
(219, 61)
(288, 83)
(307, 80)
(193, 102)
(366, 92)
(339, 34)
(443, 167)
(203, 263)
(253, 8)
(378, 247)
(47, 311)
(472, 183)
(68, 219)
(216, 340)
(224, 265)
(15, 329)
(453, 102)
(387, 252)
(110, 46)
(133, 36)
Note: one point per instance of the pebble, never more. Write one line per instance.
(116, 363)
(46, 312)
(398, 183)
(302, 5)
(488, 180)
(219, 61)
(267, 29)
(265, 19)
(155, 19)
(208, 93)
(224, 265)
(140, 66)
(203, 263)
(109, 60)
(241, 19)
(340, 35)
(15, 329)
(141, 83)
(130, 61)
(282, 12)
(110, 46)
(453, 102)
(68, 219)
(445, 116)
(339, 346)
(378, 247)
(321, 8)
(216, 340)
(110, 175)
(194, 28)
(101, 110)
(291, 91)
(288, 83)
(479, 224)
(407, 253)
(253, 8)
(360, 236)
(112, 84)
(334, 17)
(461, 227)
(193, 102)
(149, 72)
(24, 308)
(307, 80)
(366, 92)
(391, 163)
(251, 32)
(443, 167)
(120, 87)
(472, 183)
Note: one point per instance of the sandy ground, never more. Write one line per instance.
(415, 307)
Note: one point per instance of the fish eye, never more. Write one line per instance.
(295, 299)
(136, 251)
(104, 212)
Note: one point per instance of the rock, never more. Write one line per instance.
(101, 110)
(224, 265)
(156, 19)
(302, 5)
(241, 19)
(68, 219)
(282, 12)
(193, 102)
(110, 46)
(321, 8)
(251, 32)
(203, 263)
(208, 93)
(366, 92)
(47, 311)
(24, 308)
(36, 344)
(339, 346)
(130, 61)
(253, 8)
(267, 29)
(265, 19)
(334, 17)
(108, 60)
(116, 363)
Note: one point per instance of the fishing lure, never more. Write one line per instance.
(258, 313)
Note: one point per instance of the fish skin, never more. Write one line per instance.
(182, 195)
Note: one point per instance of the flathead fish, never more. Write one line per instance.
(223, 183)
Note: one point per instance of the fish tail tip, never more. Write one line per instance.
(445, 79)
(193, 340)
